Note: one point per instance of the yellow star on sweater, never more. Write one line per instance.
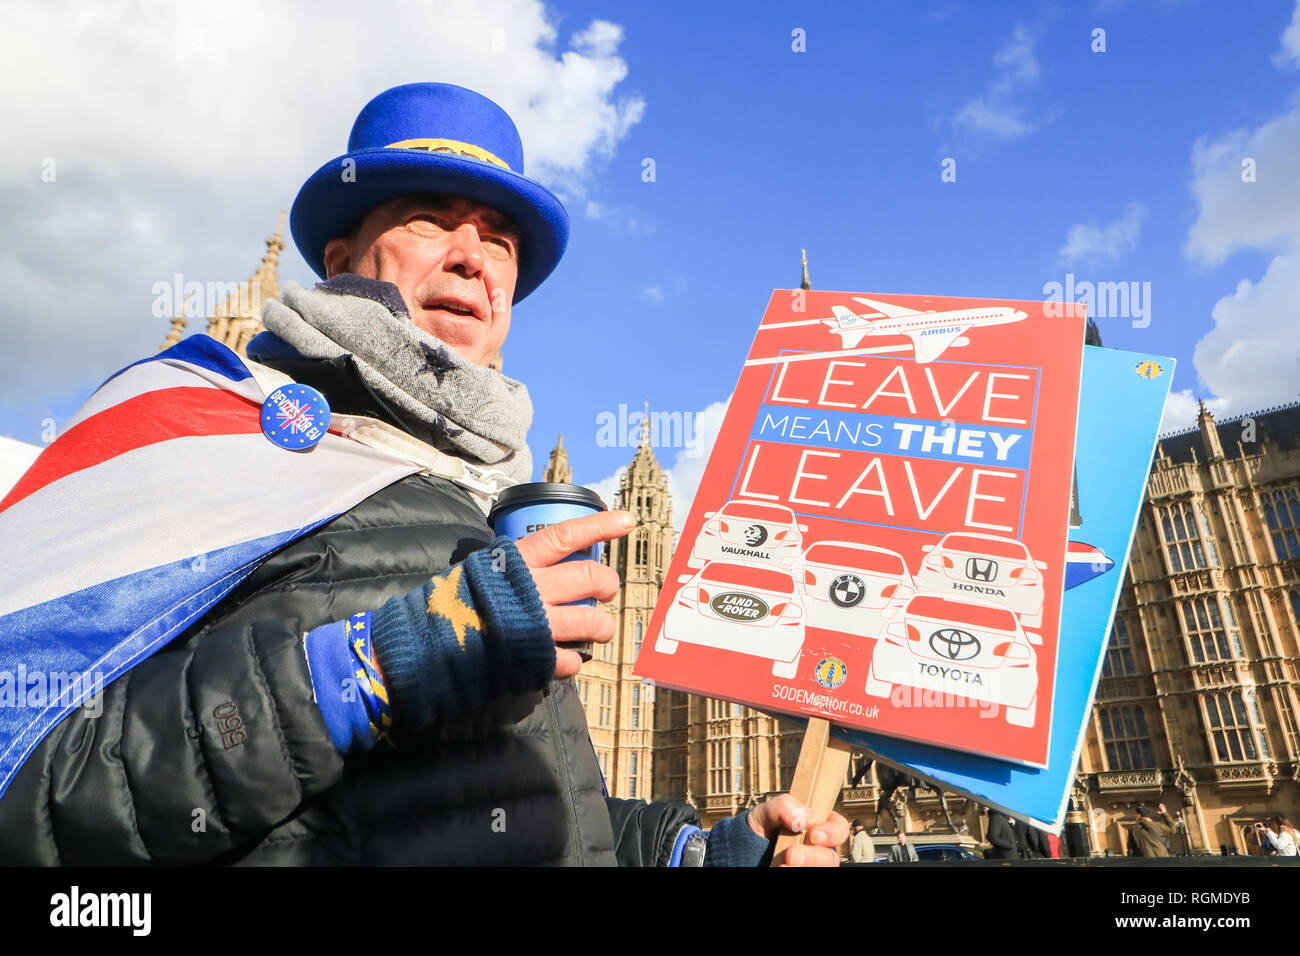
(444, 602)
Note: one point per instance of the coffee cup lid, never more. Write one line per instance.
(547, 492)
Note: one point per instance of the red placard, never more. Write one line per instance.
(879, 536)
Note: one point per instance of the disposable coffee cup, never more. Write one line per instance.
(524, 509)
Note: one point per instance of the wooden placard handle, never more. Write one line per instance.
(818, 778)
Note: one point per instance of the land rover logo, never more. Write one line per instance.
(754, 535)
(954, 644)
(739, 607)
(847, 591)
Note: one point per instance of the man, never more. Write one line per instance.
(340, 705)
(1002, 835)
(863, 848)
(1151, 837)
(902, 851)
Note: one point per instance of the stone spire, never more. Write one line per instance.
(239, 317)
(174, 336)
(557, 469)
(643, 490)
(1209, 432)
(645, 426)
(804, 283)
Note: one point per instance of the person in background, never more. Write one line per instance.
(862, 849)
(1150, 837)
(902, 851)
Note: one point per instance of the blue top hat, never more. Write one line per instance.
(432, 138)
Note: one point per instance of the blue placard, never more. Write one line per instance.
(1121, 403)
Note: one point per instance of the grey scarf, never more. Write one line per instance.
(463, 409)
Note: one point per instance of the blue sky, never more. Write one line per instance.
(1122, 165)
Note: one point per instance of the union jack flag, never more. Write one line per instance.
(116, 539)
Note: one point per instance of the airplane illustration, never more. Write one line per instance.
(931, 332)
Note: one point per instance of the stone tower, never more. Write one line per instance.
(239, 316)
(557, 469)
(619, 707)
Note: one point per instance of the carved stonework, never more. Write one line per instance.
(1261, 772)
(899, 801)
(1184, 781)
(1130, 780)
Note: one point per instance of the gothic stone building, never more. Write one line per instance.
(1197, 704)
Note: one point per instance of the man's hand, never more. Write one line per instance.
(784, 812)
(558, 584)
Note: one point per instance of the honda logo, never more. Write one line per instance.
(981, 569)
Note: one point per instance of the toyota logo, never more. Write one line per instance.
(954, 644)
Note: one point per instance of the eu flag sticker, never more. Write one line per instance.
(295, 416)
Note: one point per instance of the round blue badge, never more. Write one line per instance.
(295, 416)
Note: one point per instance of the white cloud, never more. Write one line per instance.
(687, 468)
(1181, 409)
(608, 487)
(1289, 55)
(1234, 214)
(688, 465)
(178, 131)
(191, 95)
(1248, 361)
(657, 294)
(988, 119)
(997, 113)
(1101, 244)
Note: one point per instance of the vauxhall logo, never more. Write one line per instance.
(981, 569)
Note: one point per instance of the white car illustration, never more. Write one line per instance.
(747, 532)
(853, 587)
(959, 646)
(738, 607)
(986, 567)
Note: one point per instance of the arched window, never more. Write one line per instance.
(636, 638)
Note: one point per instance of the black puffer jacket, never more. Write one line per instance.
(215, 751)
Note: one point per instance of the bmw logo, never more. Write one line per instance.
(847, 590)
(954, 644)
(831, 673)
(755, 535)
